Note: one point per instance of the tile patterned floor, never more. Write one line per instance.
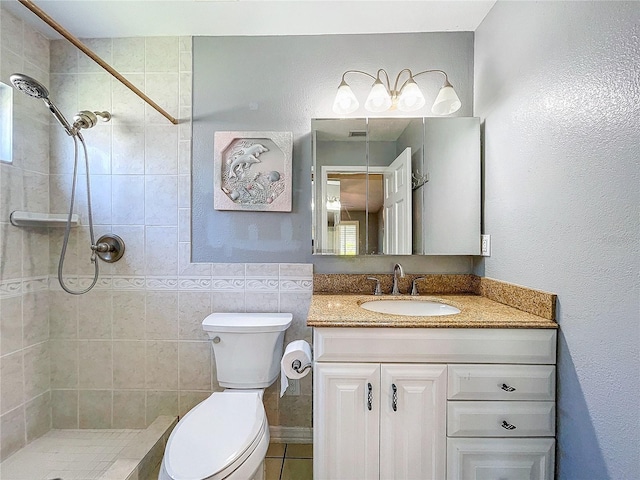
(68, 454)
(289, 461)
(86, 455)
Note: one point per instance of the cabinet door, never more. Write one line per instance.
(346, 421)
(412, 421)
(500, 458)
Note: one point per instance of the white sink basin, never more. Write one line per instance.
(414, 308)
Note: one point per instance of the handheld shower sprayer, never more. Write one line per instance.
(82, 120)
(109, 248)
(35, 89)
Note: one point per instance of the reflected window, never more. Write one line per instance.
(6, 121)
(347, 240)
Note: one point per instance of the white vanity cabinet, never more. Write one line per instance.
(434, 403)
(377, 417)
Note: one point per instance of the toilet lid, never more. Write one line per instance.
(214, 434)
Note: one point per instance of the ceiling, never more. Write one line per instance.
(134, 18)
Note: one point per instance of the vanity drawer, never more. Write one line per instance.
(502, 382)
(500, 419)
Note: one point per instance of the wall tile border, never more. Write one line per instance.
(300, 282)
(16, 287)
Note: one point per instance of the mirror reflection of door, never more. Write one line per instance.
(397, 205)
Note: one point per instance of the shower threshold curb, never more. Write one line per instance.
(143, 455)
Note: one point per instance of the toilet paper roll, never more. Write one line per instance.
(296, 350)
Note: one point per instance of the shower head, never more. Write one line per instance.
(29, 85)
(35, 89)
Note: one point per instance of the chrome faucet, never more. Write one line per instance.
(377, 290)
(396, 268)
(414, 286)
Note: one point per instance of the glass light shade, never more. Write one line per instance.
(411, 98)
(333, 204)
(345, 101)
(446, 102)
(379, 99)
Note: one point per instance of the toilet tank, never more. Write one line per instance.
(247, 347)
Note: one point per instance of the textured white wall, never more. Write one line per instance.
(557, 86)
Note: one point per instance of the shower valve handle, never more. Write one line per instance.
(110, 248)
(102, 247)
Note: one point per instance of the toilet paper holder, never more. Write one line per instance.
(297, 366)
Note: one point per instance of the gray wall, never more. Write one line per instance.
(557, 85)
(280, 84)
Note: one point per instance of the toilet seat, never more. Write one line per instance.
(216, 436)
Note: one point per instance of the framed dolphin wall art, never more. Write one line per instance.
(252, 171)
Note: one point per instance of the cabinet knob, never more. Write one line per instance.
(369, 396)
(507, 426)
(216, 340)
(507, 388)
(394, 397)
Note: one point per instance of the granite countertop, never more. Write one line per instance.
(475, 312)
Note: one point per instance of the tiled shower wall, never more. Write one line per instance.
(25, 411)
(133, 348)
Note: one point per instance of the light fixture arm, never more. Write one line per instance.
(395, 85)
(413, 76)
(396, 91)
(386, 75)
(375, 77)
(358, 71)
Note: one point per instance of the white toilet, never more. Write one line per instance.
(227, 435)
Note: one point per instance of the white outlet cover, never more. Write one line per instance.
(485, 245)
(294, 387)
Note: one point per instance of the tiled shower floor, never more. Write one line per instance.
(67, 454)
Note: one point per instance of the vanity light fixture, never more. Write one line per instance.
(333, 204)
(406, 98)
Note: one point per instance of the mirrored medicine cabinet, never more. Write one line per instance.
(396, 186)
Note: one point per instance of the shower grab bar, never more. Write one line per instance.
(87, 51)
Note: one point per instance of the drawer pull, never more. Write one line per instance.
(369, 396)
(394, 400)
(508, 388)
(507, 426)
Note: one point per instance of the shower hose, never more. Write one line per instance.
(67, 230)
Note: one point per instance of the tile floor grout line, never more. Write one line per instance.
(284, 457)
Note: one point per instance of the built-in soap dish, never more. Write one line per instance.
(28, 219)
